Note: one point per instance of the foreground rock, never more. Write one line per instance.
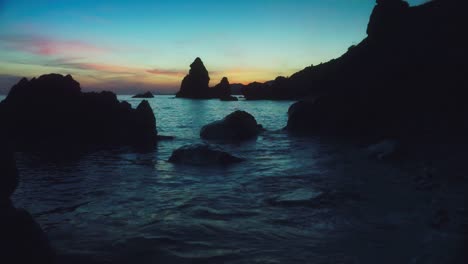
(144, 95)
(406, 80)
(239, 125)
(202, 154)
(22, 239)
(195, 84)
(51, 111)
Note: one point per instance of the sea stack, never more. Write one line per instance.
(195, 84)
(223, 91)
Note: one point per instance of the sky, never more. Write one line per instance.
(129, 46)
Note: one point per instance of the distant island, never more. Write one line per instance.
(144, 95)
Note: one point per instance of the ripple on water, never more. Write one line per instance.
(157, 210)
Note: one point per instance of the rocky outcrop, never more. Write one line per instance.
(387, 19)
(202, 154)
(223, 91)
(236, 88)
(405, 80)
(257, 91)
(22, 239)
(144, 95)
(195, 84)
(239, 125)
(281, 88)
(51, 111)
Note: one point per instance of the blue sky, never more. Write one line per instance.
(126, 45)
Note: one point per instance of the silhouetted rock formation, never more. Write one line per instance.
(223, 91)
(202, 154)
(22, 239)
(236, 88)
(387, 19)
(195, 84)
(239, 125)
(144, 95)
(257, 91)
(407, 78)
(51, 111)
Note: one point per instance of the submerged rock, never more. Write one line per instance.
(144, 95)
(238, 125)
(202, 154)
(51, 111)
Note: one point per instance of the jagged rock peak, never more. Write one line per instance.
(198, 68)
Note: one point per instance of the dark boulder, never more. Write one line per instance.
(239, 125)
(195, 84)
(144, 95)
(202, 154)
(51, 111)
(22, 239)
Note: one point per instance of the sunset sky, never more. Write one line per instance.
(128, 46)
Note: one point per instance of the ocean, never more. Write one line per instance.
(294, 199)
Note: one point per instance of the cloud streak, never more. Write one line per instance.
(165, 72)
(45, 46)
(100, 67)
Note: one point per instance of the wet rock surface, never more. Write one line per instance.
(202, 155)
(238, 125)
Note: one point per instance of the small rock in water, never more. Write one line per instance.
(144, 95)
(238, 125)
(202, 154)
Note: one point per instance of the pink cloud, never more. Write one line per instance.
(72, 63)
(45, 46)
(175, 73)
